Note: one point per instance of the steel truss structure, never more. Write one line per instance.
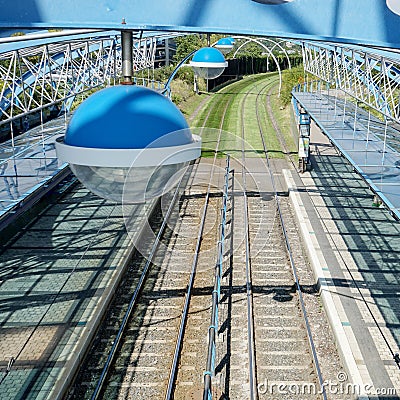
(372, 78)
(54, 73)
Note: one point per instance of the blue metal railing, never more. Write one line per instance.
(216, 294)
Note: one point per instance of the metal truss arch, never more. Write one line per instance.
(278, 44)
(252, 40)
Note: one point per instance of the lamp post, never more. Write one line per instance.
(128, 143)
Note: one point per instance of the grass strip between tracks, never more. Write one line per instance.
(234, 94)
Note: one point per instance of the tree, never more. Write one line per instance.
(251, 49)
(186, 44)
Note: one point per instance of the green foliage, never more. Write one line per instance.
(250, 50)
(180, 91)
(5, 63)
(291, 78)
(17, 34)
(186, 44)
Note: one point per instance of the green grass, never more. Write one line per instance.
(233, 98)
(285, 119)
(270, 136)
(190, 105)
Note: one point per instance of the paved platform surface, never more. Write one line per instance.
(354, 249)
(56, 275)
(371, 145)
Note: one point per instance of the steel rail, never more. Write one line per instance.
(185, 311)
(210, 366)
(116, 343)
(178, 346)
(134, 299)
(249, 287)
(290, 254)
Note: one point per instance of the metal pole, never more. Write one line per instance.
(368, 127)
(213, 328)
(167, 52)
(366, 147)
(48, 35)
(384, 142)
(127, 57)
(355, 123)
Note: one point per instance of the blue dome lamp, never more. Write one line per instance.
(225, 45)
(128, 142)
(208, 63)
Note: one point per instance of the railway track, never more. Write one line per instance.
(266, 337)
(153, 342)
(152, 359)
(162, 352)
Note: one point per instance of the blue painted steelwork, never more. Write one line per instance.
(41, 38)
(352, 62)
(369, 22)
(42, 69)
(29, 77)
(32, 40)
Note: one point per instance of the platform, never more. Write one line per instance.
(347, 238)
(372, 148)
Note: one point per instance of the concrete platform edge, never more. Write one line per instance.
(66, 378)
(318, 262)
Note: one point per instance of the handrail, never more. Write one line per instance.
(216, 294)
